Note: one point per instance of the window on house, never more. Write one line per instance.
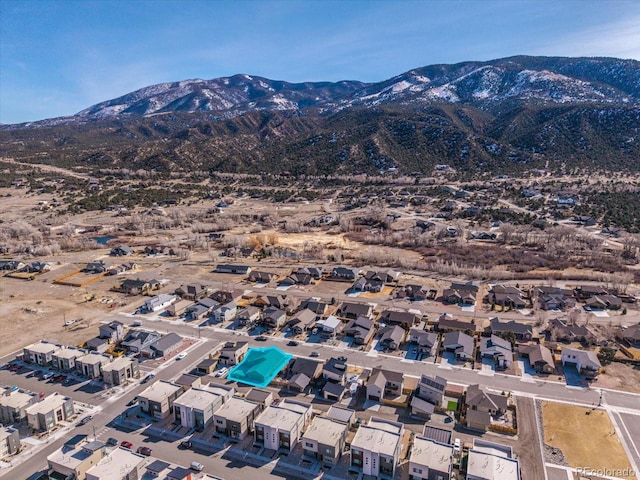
(308, 445)
(219, 422)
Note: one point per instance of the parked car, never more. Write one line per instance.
(222, 372)
(47, 376)
(181, 355)
(133, 401)
(148, 378)
(146, 451)
(126, 444)
(314, 354)
(185, 444)
(342, 359)
(197, 466)
(112, 441)
(85, 420)
(292, 343)
(261, 338)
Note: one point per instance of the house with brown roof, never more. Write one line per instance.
(384, 383)
(506, 296)
(391, 337)
(461, 344)
(482, 406)
(302, 321)
(521, 331)
(352, 310)
(540, 357)
(460, 294)
(360, 329)
(232, 353)
(446, 323)
(631, 335)
(400, 317)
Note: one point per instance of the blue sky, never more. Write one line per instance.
(59, 57)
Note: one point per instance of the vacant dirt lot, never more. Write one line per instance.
(620, 376)
(586, 437)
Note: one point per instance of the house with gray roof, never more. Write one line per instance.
(461, 344)
(361, 329)
(400, 317)
(498, 349)
(384, 383)
(540, 357)
(430, 460)
(427, 342)
(585, 361)
(391, 337)
(163, 346)
(432, 389)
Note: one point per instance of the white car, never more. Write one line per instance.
(222, 372)
(181, 355)
(456, 446)
(197, 466)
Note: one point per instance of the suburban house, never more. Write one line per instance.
(316, 305)
(201, 309)
(540, 357)
(361, 329)
(461, 344)
(128, 464)
(97, 266)
(163, 346)
(235, 269)
(415, 293)
(9, 442)
(118, 371)
(262, 277)
(312, 369)
(113, 331)
(354, 310)
(585, 361)
(384, 383)
(74, 462)
(159, 302)
(421, 408)
(137, 340)
(481, 406)
(132, 286)
(426, 342)
(232, 353)
(195, 408)
(506, 297)
(225, 313)
(40, 353)
(400, 317)
(280, 427)
(334, 370)
(14, 404)
(235, 418)
(324, 439)
(446, 323)
(375, 449)
(584, 292)
(521, 331)
(248, 317)
(262, 397)
(90, 365)
(302, 321)
(227, 295)
(315, 272)
(603, 302)
(65, 358)
(298, 278)
(333, 391)
(330, 326)
(344, 274)
(273, 317)
(430, 460)
(299, 382)
(559, 330)
(373, 281)
(391, 337)
(192, 292)
(498, 349)
(46, 414)
(631, 335)
(432, 389)
(491, 461)
(460, 294)
(120, 251)
(157, 399)
(552, 298)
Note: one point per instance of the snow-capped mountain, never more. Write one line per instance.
(500, 115)
(484, 85)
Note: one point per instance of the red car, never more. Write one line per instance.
(146, 451)
(126, 444)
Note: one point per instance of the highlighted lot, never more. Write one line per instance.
(586, 437)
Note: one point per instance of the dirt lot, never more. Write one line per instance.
(620, 376)
(563, 424)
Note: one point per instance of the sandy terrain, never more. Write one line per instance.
(563, 424)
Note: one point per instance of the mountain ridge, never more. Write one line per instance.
(500, 115)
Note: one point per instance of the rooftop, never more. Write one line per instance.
(434, 455)
(259, 366)
(197, 398)
(159, 391)
(378, 436)
(49, 403)
(325, 431)
(42, 347)
(16, 399)
(236, 409)
(118, 364)
(118, 463)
